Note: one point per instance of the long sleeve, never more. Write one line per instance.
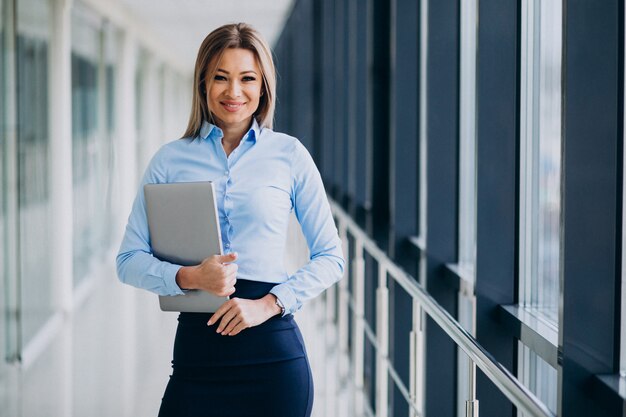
(326, 263)
(135, 263)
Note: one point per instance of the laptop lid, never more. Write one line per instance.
(184, 229)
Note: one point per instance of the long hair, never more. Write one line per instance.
(236, 35)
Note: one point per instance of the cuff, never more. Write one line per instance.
(287, 297)
(169, 278)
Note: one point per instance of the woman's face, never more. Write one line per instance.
(235, 90)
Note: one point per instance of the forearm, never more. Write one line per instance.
(142, 270)
(308, 282)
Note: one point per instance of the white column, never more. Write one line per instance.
(60, 114)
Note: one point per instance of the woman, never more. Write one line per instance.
(248, 358)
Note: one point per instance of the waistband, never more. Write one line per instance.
(250, 290)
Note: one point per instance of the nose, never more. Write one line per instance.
(234, 89)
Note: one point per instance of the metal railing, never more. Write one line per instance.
(423, 304)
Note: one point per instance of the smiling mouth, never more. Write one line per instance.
(232, 106)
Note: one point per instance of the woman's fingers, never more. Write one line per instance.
(238, 328)
(237, 321)
(238, 314)
(220, 311)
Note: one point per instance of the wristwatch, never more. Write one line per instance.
(280, 305)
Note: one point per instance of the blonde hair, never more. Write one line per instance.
(236, 35)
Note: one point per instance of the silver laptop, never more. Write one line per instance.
(184, 230)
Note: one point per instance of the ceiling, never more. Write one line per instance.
(183, 24)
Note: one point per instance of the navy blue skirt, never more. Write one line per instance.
(262, 371)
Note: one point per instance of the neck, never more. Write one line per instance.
(234, 133)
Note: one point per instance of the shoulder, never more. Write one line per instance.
(284, 143)
(278, 139)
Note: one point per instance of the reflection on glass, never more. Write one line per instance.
(109, 171)
(33, 17)
(467, 138)
(4, 400)
(540, 157)
(538, 376)
(142, 108)
(91, 149)
(540, 164)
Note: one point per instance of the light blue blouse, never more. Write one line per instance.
(257, 186)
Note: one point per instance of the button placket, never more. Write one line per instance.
(227, 207)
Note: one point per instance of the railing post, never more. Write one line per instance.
(358, 331)
(471, 405)
(416, 359)
(343, 298)
(382, 333)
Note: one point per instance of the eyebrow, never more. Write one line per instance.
(243, 72)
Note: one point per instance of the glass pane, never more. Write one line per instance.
(422, 122)
(467, 138)
(33, 17)
(89, 153)
(4, 337)
(9, 302)
(540, 157)
(109, 172)
(538, 376)
(142, 110)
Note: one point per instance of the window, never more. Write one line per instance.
(538, 376)
(33, 32)
(540, 197)
(4, 222)
(540, 150)
(467, 188)
(89, 144)
(467, 137)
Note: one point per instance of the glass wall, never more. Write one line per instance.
(540, 153)
(89, 145)
(467, 137)
(538, 376)
(108, 148)
(467, 187)
(540, 164)
(33, 35)
(4, 383)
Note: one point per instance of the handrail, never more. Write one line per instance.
(506, 382)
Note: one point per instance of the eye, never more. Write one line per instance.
(219, 78)
(249, 78)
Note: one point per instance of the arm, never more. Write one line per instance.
(138, 267)
(326, 263)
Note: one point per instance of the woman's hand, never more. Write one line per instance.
(237, 314)
(216, 274)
